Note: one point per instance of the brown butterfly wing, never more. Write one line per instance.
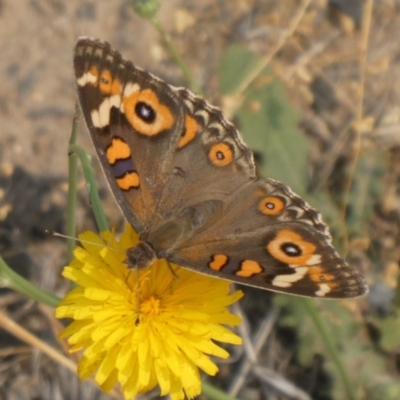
(186, 181)
(135, 145)
(154, 150)
(265, 236)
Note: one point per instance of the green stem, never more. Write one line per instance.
(213, 393)
(99, 215)
(72, 188)
(10, 279)
(176, 56)
(330, 345)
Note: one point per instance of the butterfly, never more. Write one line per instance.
(186, 182)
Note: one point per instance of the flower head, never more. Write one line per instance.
(144, 327)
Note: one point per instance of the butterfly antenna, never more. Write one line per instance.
(56, 234)
(130, 267)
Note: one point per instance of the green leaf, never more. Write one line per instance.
(235, 65)
(368, 369)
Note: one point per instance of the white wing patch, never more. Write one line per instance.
(286, 281)
(86, 78)
(101, 117)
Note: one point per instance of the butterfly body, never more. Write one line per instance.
(186, 181)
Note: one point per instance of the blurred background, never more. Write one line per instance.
(313, 86)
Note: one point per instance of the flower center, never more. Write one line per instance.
(151, 306)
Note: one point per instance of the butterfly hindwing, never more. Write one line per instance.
(272, 241)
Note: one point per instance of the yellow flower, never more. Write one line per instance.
(171, 338)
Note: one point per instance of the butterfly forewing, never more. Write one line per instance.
(112, 92)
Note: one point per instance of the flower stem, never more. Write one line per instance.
(330, 346)
(176, 56)
(10, 279)
(213, 393)
(99, 215)
(72, 187)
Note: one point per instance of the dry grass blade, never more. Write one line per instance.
(250, 364)
(366, 29)
(19, 332)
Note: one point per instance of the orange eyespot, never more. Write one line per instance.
(271, 205)
(318, 275)
(146, 114)
(220, 154)
(290, 248)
